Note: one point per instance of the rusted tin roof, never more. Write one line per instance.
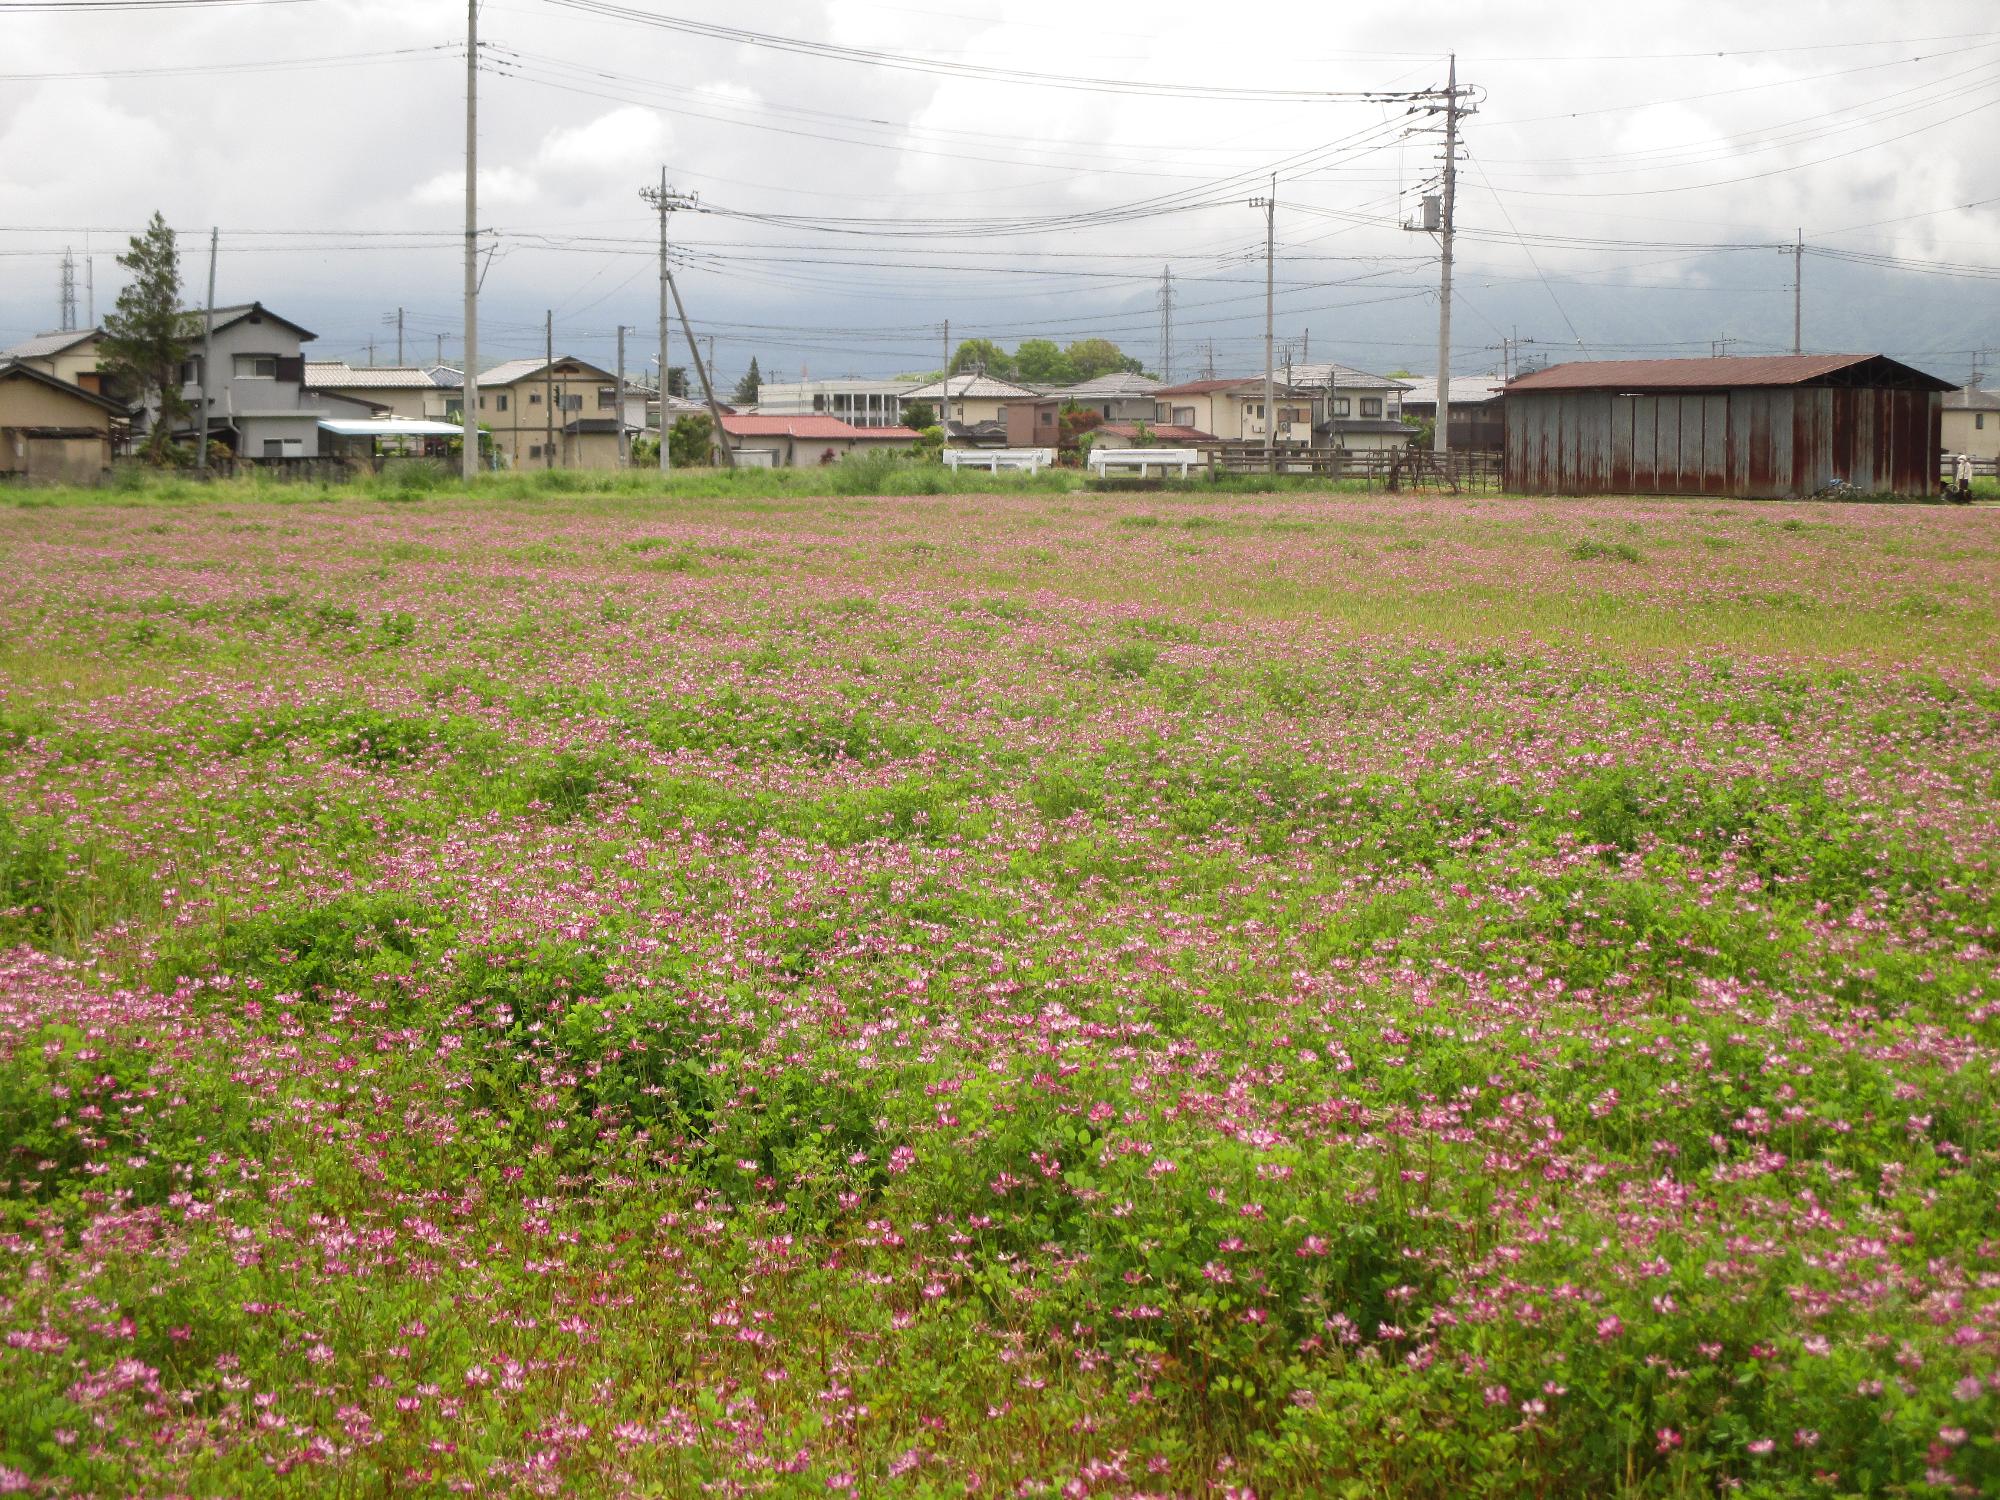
(1721, 374)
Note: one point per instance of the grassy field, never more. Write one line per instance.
(1023, 993)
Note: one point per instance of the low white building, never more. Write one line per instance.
(863, 403)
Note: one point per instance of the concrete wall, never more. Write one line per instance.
(53, 460)
(1963, 433)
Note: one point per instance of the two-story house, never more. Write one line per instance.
(255, 393)
(1971, 422)
(1356, 410)
(70, 356)
(560, 414)
(1120, 396)
(1233, 409)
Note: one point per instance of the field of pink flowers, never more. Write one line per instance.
(1019, 995)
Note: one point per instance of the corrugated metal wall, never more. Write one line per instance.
(1756, 441)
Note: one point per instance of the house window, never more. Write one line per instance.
(534, 398)
(572, 403)
(534, 450)
(1979, 421)
(1342, 407)
(1371, 406)
(274, 448)
(256, 367)
(191, 371)
(1183, 416)
(607, 397)
(1048, 418)
(819, 403)
(1291, 414)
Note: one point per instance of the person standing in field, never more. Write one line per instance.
(1961, 487)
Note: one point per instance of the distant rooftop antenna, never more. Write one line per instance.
(68, 291)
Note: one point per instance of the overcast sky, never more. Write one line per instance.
(326, 140)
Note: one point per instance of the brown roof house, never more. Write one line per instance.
(53, 431)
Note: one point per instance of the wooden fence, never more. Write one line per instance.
(1375, 469)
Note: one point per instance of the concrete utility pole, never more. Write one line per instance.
(666, 201)
(1441, 428)
(1270, 207)
(399, 338)
(623, 453)
(207, 353)
(68, 309)
(1799, 293)
(549, 389)
(944, 387)
(1166, 323)
(470, 385)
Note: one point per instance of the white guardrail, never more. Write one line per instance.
(1103, 460)
(1034, 460)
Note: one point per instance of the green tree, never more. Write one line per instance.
(1091, 358)
(677, 380)
(919, 414)
(688, 445)
(146, 337)
(747, 388)
(1041, 362)
(983, 354)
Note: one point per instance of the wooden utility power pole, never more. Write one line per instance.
(1270, 207)
(207, 354)
(549, 389)
(470, 385)
(944, 387)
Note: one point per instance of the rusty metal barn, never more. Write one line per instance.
(1768, 427)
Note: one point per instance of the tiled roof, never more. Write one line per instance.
(1208, 387)
(1324, 372)
(1714, 374)
(971, 387)
(324, 375)
(812, 428)
(225, 317)
(1109, 387)
(42, 345)
(1972, 398)
(510, 371)
(1466, 390)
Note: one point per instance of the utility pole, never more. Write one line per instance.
(470, 385)
(1167, 323)
(1270, 207)
(623, 454)
(68, 323)
(1441, 219)
(207, 354)
(944, 386)
(549, 388)
(1441, 428)
(1799, 293)
(440, 350)
(399, 338)
(1208, 360)
(666, 201)
(89, 283)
